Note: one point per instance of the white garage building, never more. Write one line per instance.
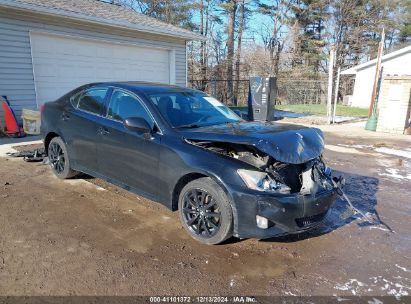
(395, 63)
(48, 47)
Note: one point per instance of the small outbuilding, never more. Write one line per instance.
(49, 47)
(394, 105)
(394, 63)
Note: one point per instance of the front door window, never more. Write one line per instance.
(124, 105)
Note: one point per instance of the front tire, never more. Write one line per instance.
(205, 211)
(59, 160)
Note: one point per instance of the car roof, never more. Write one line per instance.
(146, 87)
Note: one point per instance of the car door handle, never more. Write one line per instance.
(65, 116)
(103, 131)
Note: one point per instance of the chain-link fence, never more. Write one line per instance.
(289, 91)
(301, 92)
(219, 89)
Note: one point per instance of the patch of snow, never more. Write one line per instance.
(375, 301)
(342, 149)
(8, 148)
(356, 146)
(406, 153)
(402, 268)
(4, 149)
(289, 293)
(395, 173)
(403, 153)
(82, 182)
(352, 285)
(288, 114)
(356, 287)
(379, 228)
(391, 288)
(387, 162)
(339, 299)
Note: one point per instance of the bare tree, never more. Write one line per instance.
(294, 40)
(204, 29)
(231, 9)
(238, 53)
(273, 36)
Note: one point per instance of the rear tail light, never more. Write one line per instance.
(42, 107)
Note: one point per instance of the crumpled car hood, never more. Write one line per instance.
(286, 143)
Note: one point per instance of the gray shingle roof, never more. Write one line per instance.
(104, 13)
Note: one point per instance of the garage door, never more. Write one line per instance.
(63, 63)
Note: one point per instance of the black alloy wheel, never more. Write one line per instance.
(59, 159)
(201, 213)
(205, 211)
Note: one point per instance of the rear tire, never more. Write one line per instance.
(205, 211)
(59, 159)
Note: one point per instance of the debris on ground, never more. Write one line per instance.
(36, 155)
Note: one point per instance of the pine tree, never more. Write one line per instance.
(176, 12)
(310, 17)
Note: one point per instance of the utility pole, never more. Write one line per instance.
(377, 73)
(330, 83)
(337, 85)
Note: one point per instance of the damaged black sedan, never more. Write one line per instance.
(225, 176)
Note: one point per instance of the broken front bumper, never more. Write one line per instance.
(287, 214)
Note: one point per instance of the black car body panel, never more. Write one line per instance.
(290, 214)
(126, 151)
(156, 165)
(286, 143)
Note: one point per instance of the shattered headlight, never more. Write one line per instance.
(261, 181)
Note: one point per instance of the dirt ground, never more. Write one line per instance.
(87, 237)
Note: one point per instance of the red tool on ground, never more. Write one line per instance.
(12, 126)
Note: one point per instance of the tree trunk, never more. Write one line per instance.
(274, 50)
(230, 48)
(205, 47)
(277, 59)
(238, 54)
(202, 48)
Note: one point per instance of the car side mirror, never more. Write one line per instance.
(137, 124)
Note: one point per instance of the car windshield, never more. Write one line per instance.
(190, 109)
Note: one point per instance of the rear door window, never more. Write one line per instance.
(91, 100)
